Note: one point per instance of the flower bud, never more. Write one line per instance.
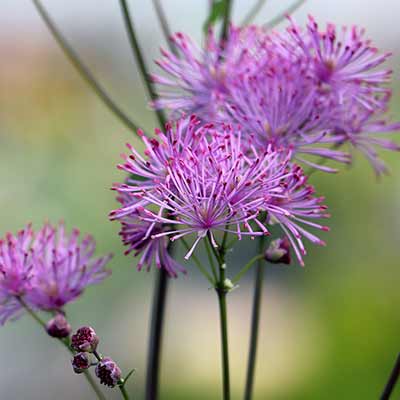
(80, 363)
(278, 251)
(108, 372)
(58, 327)
(85, 339)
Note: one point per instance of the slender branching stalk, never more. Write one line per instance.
(280, 17)
(253, 12)
(222, 289)
(255, 320)
(83, 70)
(87, 375)
(164, 26)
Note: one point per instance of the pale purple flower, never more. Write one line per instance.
(197, 79)
(46, 269)
(63, 268)
(137, 234)
(365, 130)
(342, 62)
(280, 106)
(219, 187)
(278, 251)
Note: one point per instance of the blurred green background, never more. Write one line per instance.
(329, 331)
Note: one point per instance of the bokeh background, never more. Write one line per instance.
(329, 331)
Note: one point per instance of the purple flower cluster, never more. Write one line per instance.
(46, 269)
(309, 90)
(259, 102)
(213, 183)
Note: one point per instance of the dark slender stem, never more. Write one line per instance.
(394, 376)
(224, 342)
(124, 392)
(156, 335)
(138, 54)
(83, 69)
(164, 25)
(222, 292)
(227, 19)
(255, 321)
(161, 288)
(88, 377)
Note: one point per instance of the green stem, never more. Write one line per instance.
(199, 264)
(255, 320)
(123, 392)
(224, 342)
(88, 377)
(83, 69)
(138, 54)
(253, 12)
(239, 275)
(121, 386)
(226, 21)
(222, 291)
(164, 26)
(280, 17)
(210, 259)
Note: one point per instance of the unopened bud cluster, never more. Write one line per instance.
(85, 342)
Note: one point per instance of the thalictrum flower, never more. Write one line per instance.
(46, 269)
(198, 78)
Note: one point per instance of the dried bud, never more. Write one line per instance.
(278, 251)
(80, 363)
(85, 339)
(58, 327)
(108, 372)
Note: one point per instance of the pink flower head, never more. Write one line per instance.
(136, 235)
(343, 63)
(365, 130)
(279, 105)
(63, 266)
(218, 187)
(197, 80)
(16, 269)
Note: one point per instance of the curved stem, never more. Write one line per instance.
(83, 69)
(138, 54)
(88, 377)
(255, 321)
(124, 392)
(198, 263)
(394, 376)
(164, 26)
(239, 275)
(253, 12)
(280, 17)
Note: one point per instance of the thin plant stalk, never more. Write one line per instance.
(164, 26)
(393, 378)
(253, 12)
(83, 70)
(227, 19)
(280, 17)
(87, 375)
(255, 321)
(222, 291)
(161, 287)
